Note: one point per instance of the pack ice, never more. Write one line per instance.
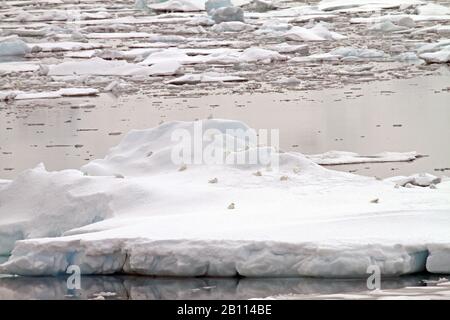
(141, 211)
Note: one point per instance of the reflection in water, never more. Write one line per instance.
(139, 288)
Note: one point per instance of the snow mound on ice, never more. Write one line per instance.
(150, 151)
(139, 211)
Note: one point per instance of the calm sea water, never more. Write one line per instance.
(400, 115)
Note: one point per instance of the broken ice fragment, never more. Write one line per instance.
(226, 14)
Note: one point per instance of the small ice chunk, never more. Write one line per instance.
(358, 53)
(317, 33)
(284, 47)
(212, 5)
(262, 5)
(141, 5)
(386, 26)
(231, 26)
(228, 14)
(420, 179)
(442, 56)
(165, 68)
(345, 157)
(406, 22)
(408, 57)
(179, 6)
(254, 54)
(432, 9)
(205, 77)
(13, 46)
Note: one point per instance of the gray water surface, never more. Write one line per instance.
(395, 115)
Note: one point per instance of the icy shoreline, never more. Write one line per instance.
(137, 212)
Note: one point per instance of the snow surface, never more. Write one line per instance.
(137, 211)
(205, 77)
(100, 67)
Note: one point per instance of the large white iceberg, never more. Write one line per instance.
(137, 211)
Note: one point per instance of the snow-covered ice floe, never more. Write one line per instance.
(343, 53)
(205, 77)
(188, 5)
(317, 33)
(138, 211)
(64, 92)
(101, 67)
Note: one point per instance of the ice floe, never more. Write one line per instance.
(226, 14)
(421, 180)
(205, 77)
(441, 56)
(317, 33)
(98, 66)
(331, 5)
(11, 67)
(344, 157)
(13, 46)
(231, 26)
(187, 5)
(433, 9)
(139, 212)
(64, 46)
(65, 92)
